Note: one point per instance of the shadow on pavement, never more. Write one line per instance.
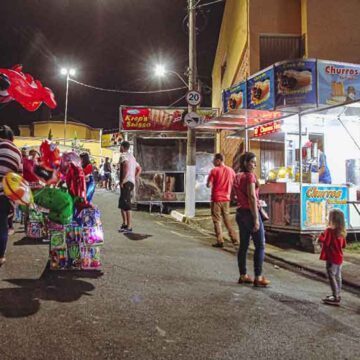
(136, 237)
(29, 241)
(61, 286)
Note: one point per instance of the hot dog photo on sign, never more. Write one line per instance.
(260, 92)
(289, 81)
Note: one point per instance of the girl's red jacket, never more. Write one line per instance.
(332, 246)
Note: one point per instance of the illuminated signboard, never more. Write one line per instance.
(267, 129)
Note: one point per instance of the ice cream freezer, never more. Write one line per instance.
(304, 208)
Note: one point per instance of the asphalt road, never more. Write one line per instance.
(165, 294)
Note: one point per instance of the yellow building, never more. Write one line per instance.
(257, 33)
(84, 136)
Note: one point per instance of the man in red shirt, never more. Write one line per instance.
(221, 180)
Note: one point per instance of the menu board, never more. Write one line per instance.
(295, 83)
(260, 90)
(318, 200)
(234, 97)
(337, 82)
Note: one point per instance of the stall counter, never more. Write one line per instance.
(306, 208)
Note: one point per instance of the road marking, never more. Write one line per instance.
(181, 235)
(160, 223)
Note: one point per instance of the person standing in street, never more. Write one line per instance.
(107, 174)
(221, 179)
(129, 172)
(333, 241)
(10, 161)
(248, 217)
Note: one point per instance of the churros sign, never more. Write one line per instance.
(317, 201)
(267, 129)
(317, 193)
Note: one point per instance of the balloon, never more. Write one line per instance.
(17, 189)
(29, 93)
(47, 176)
(50, 155)
(75, 181)
(28, 170)
(58, 201)
(68, 158)
(90, 188)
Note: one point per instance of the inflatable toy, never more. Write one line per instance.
(17, 189)
(50, 155)
(68, 158)
(29, 93)
(58, 202)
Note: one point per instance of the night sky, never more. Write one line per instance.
(111, 43)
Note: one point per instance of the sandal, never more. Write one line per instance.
(2, 261)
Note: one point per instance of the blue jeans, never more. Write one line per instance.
(4, 213)
(245, 221)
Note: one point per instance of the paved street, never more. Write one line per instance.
(165, 294)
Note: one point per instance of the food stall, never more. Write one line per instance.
(158, 138)
(298, 115)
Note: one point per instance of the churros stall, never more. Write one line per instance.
(158, 137)
(302, 120)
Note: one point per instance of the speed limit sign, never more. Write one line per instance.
(193, 98)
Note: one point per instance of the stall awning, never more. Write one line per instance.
(243, 118)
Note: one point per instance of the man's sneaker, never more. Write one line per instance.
(332, 300)
(123, 228)
(127, 230)
(218, 245)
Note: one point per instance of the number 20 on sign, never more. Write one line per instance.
(193, 98)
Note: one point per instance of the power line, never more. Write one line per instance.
(207, 4)
(127, 91)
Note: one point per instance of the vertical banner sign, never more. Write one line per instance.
(235, 97)
(295, 83)
(337, 82)
(260, 90)
(317, 201)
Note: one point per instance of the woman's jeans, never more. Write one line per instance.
(245, 220)
(4, 213)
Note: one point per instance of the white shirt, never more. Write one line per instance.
(132, 165)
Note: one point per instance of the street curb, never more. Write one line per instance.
(268, 256)
(178, 216)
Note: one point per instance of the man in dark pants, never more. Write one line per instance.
(129, 172)
(10, 161)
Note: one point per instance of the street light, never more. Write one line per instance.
(160, 71)
(66, 72)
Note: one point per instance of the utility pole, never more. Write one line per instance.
(191, 133)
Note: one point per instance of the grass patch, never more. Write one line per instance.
(353, 247)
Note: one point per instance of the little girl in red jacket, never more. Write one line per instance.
(333, 241)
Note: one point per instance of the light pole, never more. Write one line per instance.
(66, 72)
(190, 199)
